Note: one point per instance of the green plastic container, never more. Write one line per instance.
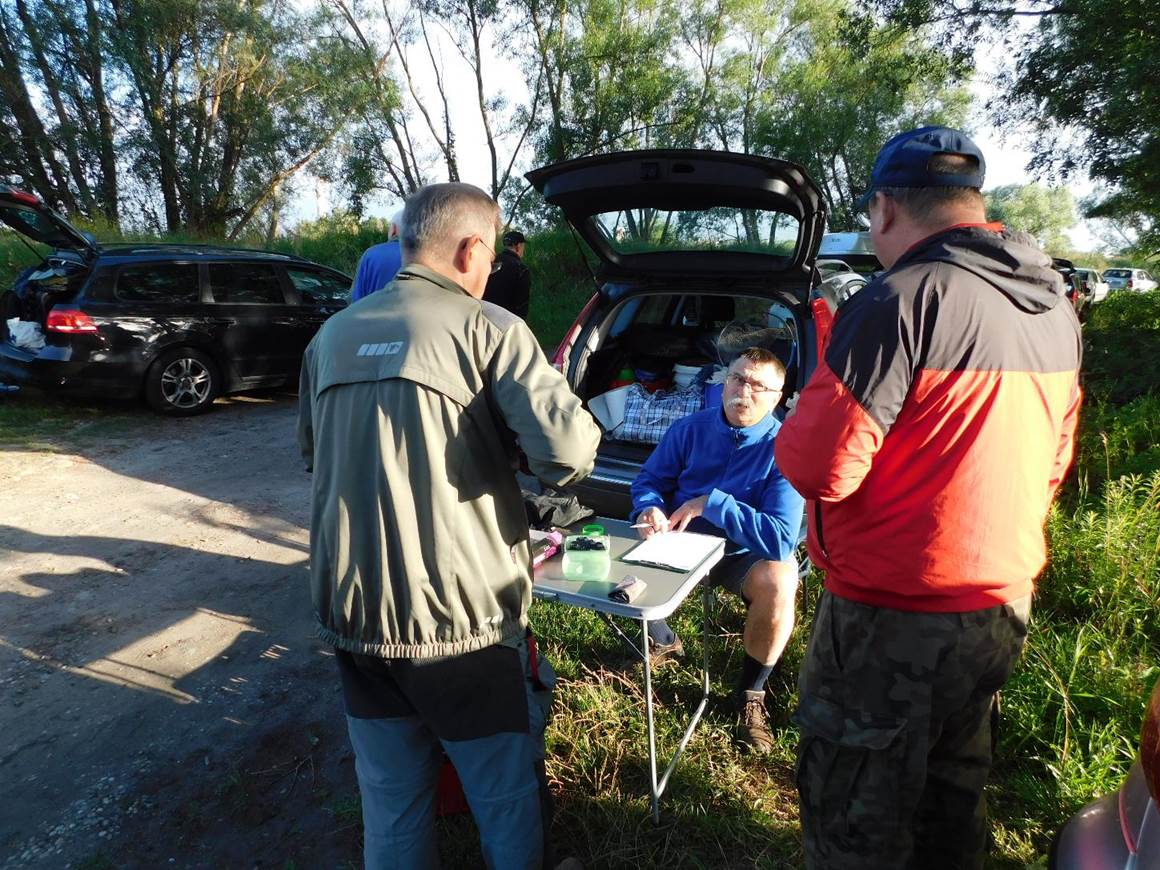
(587, 564)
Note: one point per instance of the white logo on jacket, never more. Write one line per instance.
(380, 349)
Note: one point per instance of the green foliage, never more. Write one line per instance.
(1044, 212)
(1092, 71)
(1083, 81)
(1122, 347)
(1075, 704)
(561, 284)
(1118, 439)
(857, 85)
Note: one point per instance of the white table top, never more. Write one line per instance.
(665, 589)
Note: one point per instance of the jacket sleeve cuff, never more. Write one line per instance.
(643, 503)
(718, 504)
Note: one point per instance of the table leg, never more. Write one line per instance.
(652, 737)
(658, 788)
(616, 629)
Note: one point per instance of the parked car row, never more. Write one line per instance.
(177, 325)
(1136, 280)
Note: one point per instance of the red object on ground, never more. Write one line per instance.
(449, 797)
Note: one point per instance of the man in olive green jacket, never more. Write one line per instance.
(414, 403)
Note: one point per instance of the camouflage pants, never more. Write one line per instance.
(895, 726)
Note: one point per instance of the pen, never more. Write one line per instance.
(642, 526)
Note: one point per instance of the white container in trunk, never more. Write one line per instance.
(608, 408)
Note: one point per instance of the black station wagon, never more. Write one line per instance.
(176, 324)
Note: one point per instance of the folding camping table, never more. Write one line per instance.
(664, 593)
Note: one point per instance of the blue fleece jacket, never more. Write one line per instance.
(749, 500)
(376, 269)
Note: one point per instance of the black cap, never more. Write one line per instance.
(513, 237)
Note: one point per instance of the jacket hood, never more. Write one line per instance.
(1009, 261)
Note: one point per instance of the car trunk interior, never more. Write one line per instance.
(665, 341)
(56, 279)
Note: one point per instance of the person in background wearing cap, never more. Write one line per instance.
(511, 286)
(930, 443)
(379, 263)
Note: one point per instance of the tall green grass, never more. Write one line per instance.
(1074, 706)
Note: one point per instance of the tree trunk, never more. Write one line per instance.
(106, 149)
(40, 162)
(67, 141)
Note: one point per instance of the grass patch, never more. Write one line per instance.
(722, 809)
(30, 420)
(561, 284)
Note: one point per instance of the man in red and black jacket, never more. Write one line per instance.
(930, 443)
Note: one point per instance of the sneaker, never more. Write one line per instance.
(752, 729)
(660, 653)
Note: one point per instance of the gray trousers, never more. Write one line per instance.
(488, 715)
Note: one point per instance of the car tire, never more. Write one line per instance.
(182, 383)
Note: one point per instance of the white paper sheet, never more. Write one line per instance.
(680, 551)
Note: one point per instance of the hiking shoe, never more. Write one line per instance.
(660, 653)
(752, 729)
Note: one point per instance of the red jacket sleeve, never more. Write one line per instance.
(1066, 448)
(825, 449)
(826, 446)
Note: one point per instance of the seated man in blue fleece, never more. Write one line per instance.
(713, 472)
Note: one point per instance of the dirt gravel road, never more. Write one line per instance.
(165, 703)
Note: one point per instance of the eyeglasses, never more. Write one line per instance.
(496, 262)
(755, 387)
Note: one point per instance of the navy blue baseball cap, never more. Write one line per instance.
(904, 161)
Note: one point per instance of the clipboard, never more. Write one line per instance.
(673, 551)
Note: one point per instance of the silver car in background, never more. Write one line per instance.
(1136, 280)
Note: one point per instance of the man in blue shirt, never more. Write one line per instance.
(378, 264)
(714, 472)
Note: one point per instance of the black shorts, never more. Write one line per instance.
(463, 697)
(730, 572)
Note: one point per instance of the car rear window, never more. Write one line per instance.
(1118, 273)
(158, 282)
(320, 288)
(245, 283)
(641, 230)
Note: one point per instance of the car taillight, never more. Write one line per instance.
(69, 320)
(1129, 285)
(21, 196)
(1150, 744)
(560, 357)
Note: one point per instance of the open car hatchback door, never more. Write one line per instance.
(29, 216)
(677, 212)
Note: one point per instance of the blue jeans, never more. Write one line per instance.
(483, 710)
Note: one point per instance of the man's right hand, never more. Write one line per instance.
(656, 520)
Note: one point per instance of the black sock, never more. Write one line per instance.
(659, 632)
(753, 675)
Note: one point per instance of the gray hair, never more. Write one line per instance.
(438, 216)
(395, 225)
